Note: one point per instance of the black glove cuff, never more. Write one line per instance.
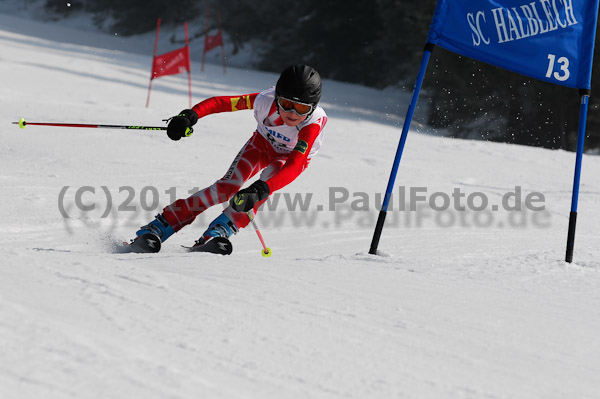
(191, 115)
(262, 189)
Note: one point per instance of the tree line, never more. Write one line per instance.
(376, 43)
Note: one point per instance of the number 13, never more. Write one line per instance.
(564, 68)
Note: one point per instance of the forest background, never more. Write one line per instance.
(376, 43)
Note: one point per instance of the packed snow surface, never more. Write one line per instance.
(459, 303)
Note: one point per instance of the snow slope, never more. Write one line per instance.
(460, 304)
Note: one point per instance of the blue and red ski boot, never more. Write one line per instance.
(150, 236)
(216, 238)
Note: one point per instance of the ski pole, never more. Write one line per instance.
(266, 252)
(22, 123)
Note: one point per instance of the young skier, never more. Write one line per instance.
(288, 135)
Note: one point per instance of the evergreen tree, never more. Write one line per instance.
(405, 24)
(339, 38)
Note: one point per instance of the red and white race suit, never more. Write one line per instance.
(281, 152)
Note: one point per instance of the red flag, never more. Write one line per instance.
(212, 41)
(171, 63)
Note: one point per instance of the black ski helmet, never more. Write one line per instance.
(301, 83)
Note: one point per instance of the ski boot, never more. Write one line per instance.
(216, 238)
(150, 236)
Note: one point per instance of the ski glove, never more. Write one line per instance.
(245, 199)
(181, 125)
